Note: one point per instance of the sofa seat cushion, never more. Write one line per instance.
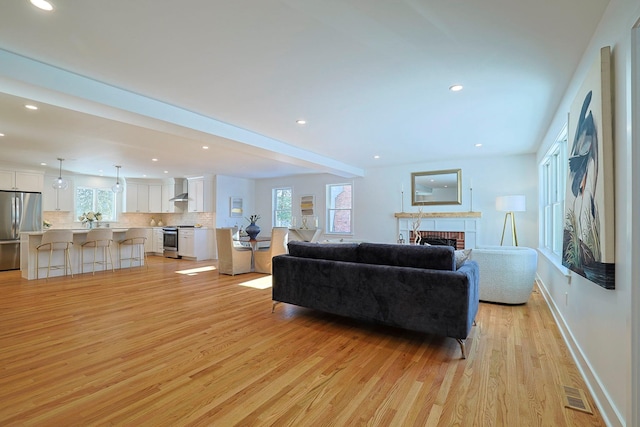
(416, 256)
(347, 252)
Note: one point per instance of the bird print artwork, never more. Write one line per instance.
(581, 241)
(588, 240)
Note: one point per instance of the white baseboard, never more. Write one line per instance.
(608, 411)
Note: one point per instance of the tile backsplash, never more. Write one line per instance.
(60, 219)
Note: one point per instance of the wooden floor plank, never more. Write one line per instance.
(159, 347)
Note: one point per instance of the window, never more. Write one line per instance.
(339, 208)
(101, 200)
(282, 203)
(553, 175)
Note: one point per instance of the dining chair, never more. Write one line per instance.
(98, 238)
(55, 240)
(262, 257)
(134, 238)
(232, 259)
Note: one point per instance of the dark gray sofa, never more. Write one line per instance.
(411, 287)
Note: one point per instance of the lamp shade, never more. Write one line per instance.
(511, 203)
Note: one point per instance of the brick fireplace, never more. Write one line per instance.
(461, 226)
(440, 237)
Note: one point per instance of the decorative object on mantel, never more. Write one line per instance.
(470, 194)
(439, 214)
(510, 204)
(401, 239)
(416, 226)
(252, 229)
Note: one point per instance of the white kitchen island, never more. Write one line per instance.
(28, 253)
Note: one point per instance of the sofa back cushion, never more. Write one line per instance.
(418, 256)
(329, 251)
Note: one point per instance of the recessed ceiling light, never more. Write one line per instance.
(205, 147)
(1, 134)
(376, 157)
(43, 164)
(42, 4)
(154, 160)
(30, 107)
(166, 171)
(301, 122)
(144, 175)
(478, 145)
(455, 88)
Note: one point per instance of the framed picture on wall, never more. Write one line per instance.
(307, 205)
(588, 238)
(235, 207)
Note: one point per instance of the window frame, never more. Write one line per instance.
(274, 206)
(553, 171)
(94, 208)
(330, 210)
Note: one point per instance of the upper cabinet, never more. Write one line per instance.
(201, 194)
(196, 195)
(57, 200)
(167, 193)
(137, 198)
(21, 181)
(155, 198)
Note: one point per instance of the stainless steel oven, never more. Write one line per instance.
(170, 242)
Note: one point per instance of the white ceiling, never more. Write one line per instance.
(121, 82)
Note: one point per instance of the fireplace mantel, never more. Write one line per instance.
(466, 222)
(438, 214)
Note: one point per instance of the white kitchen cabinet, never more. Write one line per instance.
(155, 198)
(196, 194)
(193, 243)
(167, 193)
(21, 181)
(137, 198)
(57, 200)
(158, 241)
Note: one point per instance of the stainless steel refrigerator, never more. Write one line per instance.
(19, 211)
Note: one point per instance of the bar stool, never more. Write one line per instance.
(55, 240)
(99, 238)
(135, 238)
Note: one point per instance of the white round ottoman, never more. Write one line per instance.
(507, 273)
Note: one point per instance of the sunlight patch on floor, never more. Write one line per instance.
(194, 271)
(261, 283)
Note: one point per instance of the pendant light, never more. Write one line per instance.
(59, 183)
(117, 188)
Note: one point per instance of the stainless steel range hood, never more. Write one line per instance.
(182, 197)
(181, 194)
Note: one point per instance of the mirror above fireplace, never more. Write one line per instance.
(442, 187)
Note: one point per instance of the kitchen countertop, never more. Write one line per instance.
(75, 231)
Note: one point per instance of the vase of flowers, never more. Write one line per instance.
(252, 229)
(88, 218)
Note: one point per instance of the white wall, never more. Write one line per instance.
(377, 196)
(227, 187)
(597, 322)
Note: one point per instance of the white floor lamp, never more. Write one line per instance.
(510, 204)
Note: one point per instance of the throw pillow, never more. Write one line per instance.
(462, 256)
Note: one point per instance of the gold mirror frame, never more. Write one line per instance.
(436, 187)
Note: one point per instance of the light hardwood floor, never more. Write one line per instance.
(158, 347)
